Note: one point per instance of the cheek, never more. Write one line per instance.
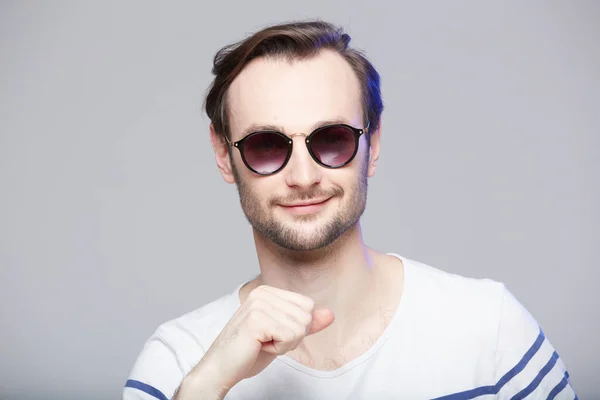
(345, 181)
(258, 189)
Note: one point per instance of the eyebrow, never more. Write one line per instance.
(269, 127)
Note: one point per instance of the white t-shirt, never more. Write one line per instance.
(450, 337)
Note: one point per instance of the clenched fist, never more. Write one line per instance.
(269, 323)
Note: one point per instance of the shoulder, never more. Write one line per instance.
(483, 318)
(461, 298)
(176, 346)
(455, 315)
(456, 294)
(200, 327)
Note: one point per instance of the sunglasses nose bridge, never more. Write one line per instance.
(296, 149)
(306, 140)
(298, 134)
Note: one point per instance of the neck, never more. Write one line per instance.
(339, 277)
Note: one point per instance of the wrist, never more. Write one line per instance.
(204, 382)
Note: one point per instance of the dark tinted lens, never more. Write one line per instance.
(333, 146)
(265, 152)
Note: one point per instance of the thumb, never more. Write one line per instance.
(322, 318)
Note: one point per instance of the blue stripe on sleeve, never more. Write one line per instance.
(558, 388)
(152, 391)
(494, 389)
(536, 381)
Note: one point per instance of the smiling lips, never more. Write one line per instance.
(309, 207)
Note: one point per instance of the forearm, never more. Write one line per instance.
(202, 383)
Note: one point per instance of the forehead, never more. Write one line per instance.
(294, 95)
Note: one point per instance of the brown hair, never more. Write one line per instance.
(296, 40)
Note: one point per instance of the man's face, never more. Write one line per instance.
(298, 97)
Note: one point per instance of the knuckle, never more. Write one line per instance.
(255, 318)
(310, 303)
(306, 319)
(299, 332)
(291, 318)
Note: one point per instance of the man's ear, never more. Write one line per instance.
(220, 147)
(374, 149)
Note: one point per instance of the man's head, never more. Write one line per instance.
(293, 79)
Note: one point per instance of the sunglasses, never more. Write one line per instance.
(268, 152)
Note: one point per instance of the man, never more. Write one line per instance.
(295, 124)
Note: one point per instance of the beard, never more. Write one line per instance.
(260, 214)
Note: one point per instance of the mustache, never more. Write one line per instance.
(302, 195)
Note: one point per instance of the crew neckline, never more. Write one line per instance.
(367, 354)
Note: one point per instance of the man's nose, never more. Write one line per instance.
(302, 171)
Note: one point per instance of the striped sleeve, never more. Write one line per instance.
(527, 365)
(156, 373)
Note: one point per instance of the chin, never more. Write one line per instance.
(310, 236)
(300, 245)
(307, 226)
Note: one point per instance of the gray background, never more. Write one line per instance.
(114, 218)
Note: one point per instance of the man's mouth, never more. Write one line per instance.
(305, 207)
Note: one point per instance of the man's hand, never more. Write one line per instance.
(271, 322)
